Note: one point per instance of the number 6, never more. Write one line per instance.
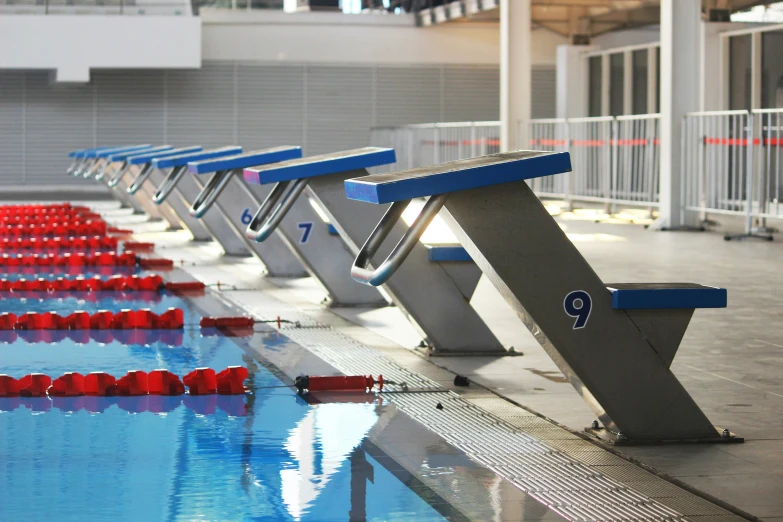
(582, 312)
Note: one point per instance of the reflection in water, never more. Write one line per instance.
(319, 444)
(361, 472)
(268, 455)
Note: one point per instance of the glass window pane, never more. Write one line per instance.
(739, 72)
(616, 83)
(639, 59)
(595, 86)
(772, 70)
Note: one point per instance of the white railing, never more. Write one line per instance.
(615, 160)
(97, 7)
(425, 144)
(732, 164)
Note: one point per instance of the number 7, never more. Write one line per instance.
(306, 227)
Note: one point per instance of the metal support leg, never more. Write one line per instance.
(607, 357)
(218, 227)
(423, 290)
(306, 235)
(194, 226)
(279, 260)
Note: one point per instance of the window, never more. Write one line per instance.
(616, 84)
(639, 60)
(595, 86)
(740, 72)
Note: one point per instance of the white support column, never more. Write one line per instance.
(515, 72)
(572, 81)
(680, 21)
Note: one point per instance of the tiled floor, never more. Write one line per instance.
(730, 360)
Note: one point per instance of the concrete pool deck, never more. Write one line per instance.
(730, 360)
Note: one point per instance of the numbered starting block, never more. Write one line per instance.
(175, 185)
(140, 166)
(434, 295)
(303, 230)
(614, 343)
(108, 163)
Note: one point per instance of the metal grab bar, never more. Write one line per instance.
(269, 223)
(168, 184)
(377, 277)
(209, 194)
(72, 167)
(106, 168)
(117, 175)
(92, 169)
(86, 165)
(140, 179)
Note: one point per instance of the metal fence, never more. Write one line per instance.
(431, 143)
(615, 160)
(731, 161)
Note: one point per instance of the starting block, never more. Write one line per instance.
(118, 165)
(145, 171)
(102, 162)
(321, 254)
(176, 185)
(614, 343)
(432, 295)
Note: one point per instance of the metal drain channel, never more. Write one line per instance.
(578, 480)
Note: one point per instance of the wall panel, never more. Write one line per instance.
(324, 108)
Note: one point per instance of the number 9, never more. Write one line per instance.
(581, 312)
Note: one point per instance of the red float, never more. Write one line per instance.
(227, 322)
(337, 383)
(9, 387)
(231, 380)
(154, 262)
(201, 381)
(137, 246)
(100, 384)
(163, 382)
(135, 382)
(86, 228)
(185, 287)
(172, 319)
(34, 385)
(70, 384)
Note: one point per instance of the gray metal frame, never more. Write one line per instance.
(432, 295)
(619, 362)
(303, 231)
(278, 260)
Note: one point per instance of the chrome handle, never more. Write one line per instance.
(168, 184)
(105, 170)
(140, 179)
(377, 277)
(71, 168)
(270, 214)
(77, 171)
(97, 164)
(209, 194)
(117, 177)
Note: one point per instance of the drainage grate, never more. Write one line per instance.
(577, 479)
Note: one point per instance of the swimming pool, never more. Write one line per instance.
(269, 455)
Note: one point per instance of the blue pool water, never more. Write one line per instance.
(265, 456)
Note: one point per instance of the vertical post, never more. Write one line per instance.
(627, 82)
(606, 88)
(515, 71)
(680, 22)
(652, 79)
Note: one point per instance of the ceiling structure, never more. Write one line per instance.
(578, 19)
